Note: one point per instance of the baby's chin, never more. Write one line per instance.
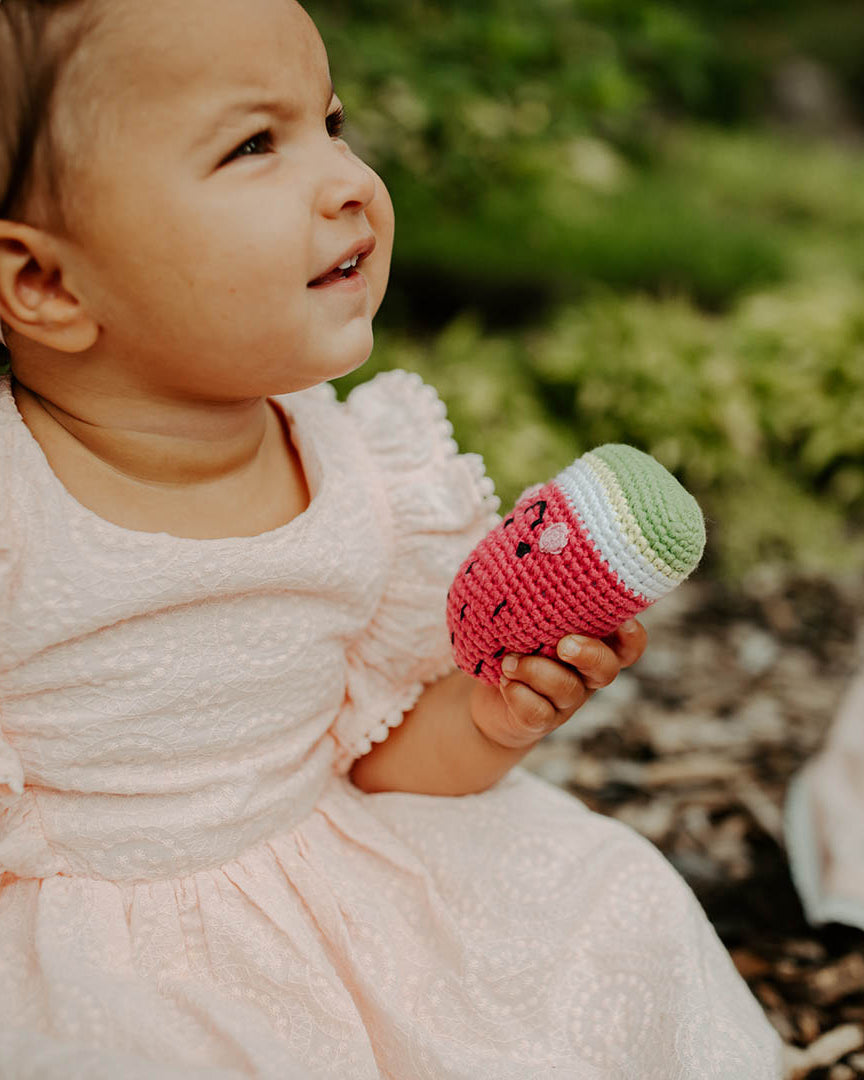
(324, 369)
(353, 346)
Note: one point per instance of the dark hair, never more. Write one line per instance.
(32, 58)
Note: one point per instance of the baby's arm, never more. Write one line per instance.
(464, 735)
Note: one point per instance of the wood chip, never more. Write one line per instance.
(686, 769)
(841, 1072)
(824, 1051)
(804, 949)
(836, 981)
(590, 773)
(766, 813)
(750, 964)
(653, 819)
(769, 997)
(782, 1025)
(808, 1023)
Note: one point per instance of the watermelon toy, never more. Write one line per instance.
(580, 554)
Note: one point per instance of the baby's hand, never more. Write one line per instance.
(539, 694)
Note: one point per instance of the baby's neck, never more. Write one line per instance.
(171, 444)
(186, 470)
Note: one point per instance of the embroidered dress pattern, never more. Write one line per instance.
(189, 884)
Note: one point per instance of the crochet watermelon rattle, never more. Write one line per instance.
(583, 553)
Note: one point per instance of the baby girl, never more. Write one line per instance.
(253, 820)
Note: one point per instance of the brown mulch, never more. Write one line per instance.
(694, 747)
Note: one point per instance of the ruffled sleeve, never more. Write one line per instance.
(440, 503)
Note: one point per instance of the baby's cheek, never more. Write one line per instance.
(381, 214)
(381, 218)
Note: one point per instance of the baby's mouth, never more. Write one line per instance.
(347, 266)
(345, 270)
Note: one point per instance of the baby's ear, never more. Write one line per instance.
(34, 301)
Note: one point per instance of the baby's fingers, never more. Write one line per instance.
(530, 716)
(550, 694)
(553, 688)
(596, 662)
(628, 642)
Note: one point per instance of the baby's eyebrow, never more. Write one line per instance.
(232, 114)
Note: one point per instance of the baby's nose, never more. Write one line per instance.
(352, 186)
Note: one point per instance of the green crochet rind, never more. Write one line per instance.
(667, 514)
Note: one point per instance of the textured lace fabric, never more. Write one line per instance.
(191, 887)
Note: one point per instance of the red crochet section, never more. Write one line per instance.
(511, 596)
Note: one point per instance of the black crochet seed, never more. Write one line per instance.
(542, 504)
(521, 551)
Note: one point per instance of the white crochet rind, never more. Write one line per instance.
(632, 529)
(589, 501)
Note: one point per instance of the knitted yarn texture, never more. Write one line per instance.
(602, 541)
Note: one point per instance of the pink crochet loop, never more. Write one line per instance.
(515, 593)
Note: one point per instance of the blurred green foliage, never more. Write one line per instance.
(508, 137)
(760, 414)
(601, 237)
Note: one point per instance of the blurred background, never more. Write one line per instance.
(638, 221)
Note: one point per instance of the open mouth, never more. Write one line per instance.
(346, 269)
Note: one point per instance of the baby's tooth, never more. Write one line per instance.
(347, 264)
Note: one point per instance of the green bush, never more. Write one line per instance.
(760, 414)
(518, 145)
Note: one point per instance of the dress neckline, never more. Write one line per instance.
(290, 416)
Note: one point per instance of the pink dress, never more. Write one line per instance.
(189, 884)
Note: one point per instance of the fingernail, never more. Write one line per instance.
(570, 648)
(629, 626)
(503, 682)
(509, 664)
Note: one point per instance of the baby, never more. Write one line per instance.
(253, 821)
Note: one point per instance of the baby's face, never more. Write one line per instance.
(212, 195)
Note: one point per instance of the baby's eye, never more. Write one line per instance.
(336, 123)
(260, 143)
